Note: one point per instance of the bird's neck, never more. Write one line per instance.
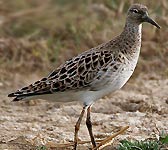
(131, 37)
(132, 31)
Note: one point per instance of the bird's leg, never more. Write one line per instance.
(77, 126)
(89, 126)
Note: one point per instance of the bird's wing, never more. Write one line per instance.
(83, 71)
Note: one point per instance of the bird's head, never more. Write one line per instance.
(138, 14)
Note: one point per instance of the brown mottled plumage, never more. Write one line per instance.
(93, 73)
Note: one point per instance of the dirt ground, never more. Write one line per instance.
(142, 105)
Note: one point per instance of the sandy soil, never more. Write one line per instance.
(142, 104)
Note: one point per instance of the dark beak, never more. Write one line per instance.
(146, 18)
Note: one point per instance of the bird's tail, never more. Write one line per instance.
(16, 97)
(28, 92)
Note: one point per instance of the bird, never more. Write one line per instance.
(93, 73)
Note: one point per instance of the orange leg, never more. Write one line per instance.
(89, 126)
(77, 127)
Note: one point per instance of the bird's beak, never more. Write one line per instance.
(146, 18)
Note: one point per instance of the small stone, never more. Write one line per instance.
(1, 84)
(166, 101)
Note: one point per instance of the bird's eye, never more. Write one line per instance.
(134, 11)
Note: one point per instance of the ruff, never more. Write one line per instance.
(93, 73)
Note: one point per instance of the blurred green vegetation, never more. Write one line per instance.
(39, 35)
(160, 143)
